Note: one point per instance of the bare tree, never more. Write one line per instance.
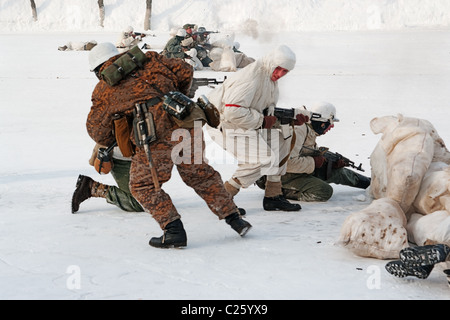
(148, 16)
(101, 7)
(33, 10)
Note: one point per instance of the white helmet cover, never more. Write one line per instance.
(101, 53)
(326, 110)
(181, 33)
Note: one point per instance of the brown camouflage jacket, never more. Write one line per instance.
(160, 75)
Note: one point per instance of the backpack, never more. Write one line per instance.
(122, 67)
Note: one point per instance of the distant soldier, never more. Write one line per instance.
(202, 45)
(78, 46)
(174, 48)
(128, 39)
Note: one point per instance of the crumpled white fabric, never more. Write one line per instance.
(377, 231)
(430, 228)
(401, 158)
(410, 167)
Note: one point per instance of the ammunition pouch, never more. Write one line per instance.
(183, 110)
(122, 67)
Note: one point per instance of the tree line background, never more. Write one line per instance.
(101, 7)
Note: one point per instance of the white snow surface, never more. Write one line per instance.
(237, 15)
(103, 253)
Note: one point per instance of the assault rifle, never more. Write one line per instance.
(201, 82)
(206, 31)
(144, 34)
(286, 116)
(207, 81)
(333, 157)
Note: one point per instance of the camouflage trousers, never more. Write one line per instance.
(316, 187)
(193, 170)
(121, 195)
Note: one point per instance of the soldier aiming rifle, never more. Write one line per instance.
(333, 157)
(311, 170)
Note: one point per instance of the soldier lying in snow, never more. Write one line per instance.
(78, 46)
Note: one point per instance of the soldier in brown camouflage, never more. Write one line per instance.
(159, 75)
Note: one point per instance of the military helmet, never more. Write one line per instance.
(326, 110)
(101, 53)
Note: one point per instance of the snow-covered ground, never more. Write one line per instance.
(45, 98)
(103, 253)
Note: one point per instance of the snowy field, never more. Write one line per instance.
(102, 253)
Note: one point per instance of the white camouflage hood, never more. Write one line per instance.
(282, 56)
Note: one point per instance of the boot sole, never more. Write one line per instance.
(245, 231)
(179, 245)
(267, 208)
(423, 256)
(400, 270)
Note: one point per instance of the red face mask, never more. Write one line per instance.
(278, 73)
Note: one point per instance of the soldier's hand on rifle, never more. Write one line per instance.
(319, 161)
(269, 121)
(300, 119)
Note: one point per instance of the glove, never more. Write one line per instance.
(300, 119)
(269, 121)
(338, 164)
(319, 161)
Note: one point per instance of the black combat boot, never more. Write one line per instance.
(82, 192)
(424, 255)
(85, 189)
(279, 203)
(174, 236)
(399, 269)
(363, 182)
(261, 182)
(238, 224)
